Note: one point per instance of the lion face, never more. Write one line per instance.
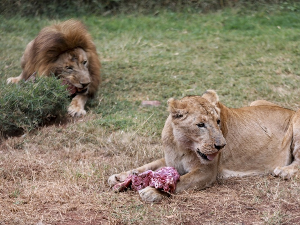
(196, 125)
(72, 68)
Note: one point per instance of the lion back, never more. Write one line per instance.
(57, 39)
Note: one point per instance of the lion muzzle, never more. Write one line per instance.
(219, 146)
(220, 142)
(84, 88)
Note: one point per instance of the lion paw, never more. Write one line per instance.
(76, 111)
(76, 107)
(116, 178)
(285, 172)
(113, 180)
(12, 80)
(150, 194)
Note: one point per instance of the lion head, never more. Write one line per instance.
(72, 68)
(67, 50)
(196, 124)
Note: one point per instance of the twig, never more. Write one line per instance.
(142, 125)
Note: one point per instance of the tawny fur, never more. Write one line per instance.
(261, 138)
(55, 46)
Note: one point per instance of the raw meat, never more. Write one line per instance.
(164, 179)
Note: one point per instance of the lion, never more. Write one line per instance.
(66, 50)
(204, 140)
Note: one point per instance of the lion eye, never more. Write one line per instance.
(200, 125)
(69, 67)
(84, 62)
(218, 122)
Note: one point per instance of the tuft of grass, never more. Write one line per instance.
(25, 106)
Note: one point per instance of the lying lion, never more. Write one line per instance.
(67, 51)
(262, 138)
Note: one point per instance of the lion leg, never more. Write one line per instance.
(77, 104)
(117, 178)
(196, 179)
(287, 172)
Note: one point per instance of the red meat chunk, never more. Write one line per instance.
(164, 179)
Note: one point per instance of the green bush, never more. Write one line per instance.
(25, 106)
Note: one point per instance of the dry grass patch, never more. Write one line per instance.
(62, 179)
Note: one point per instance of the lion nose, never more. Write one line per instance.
(220, 146)
(84, 85)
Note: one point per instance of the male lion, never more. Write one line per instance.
(66, 50)
(258, 139)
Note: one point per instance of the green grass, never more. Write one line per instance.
(244, 56)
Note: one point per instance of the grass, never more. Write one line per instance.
(186, 54)
(58, 174)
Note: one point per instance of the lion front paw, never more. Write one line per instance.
(285, 172)
(76, 107)
(117, 178)
(113, 180)
(12, 80)
(150, 194)
(76, 111)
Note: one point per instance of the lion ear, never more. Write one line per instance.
(176, 109)
(211, 96)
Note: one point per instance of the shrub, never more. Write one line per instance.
(27, 105)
